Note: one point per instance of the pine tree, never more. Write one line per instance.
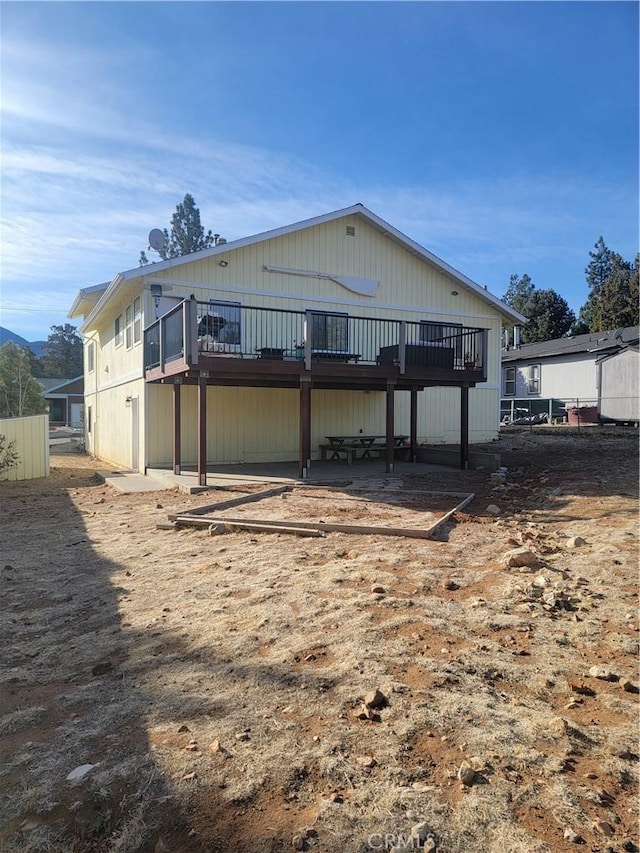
(187, 234)
(519, 292)
(612, 302)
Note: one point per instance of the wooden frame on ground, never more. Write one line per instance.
(216, 523)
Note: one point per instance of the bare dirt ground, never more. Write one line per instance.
(217, 686)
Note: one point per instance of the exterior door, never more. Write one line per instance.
(76, 415)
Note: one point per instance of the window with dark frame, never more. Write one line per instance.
(509, 382)
(119, 332)
(330, 332)
(128, 329)
(220, 329)
(137, 321)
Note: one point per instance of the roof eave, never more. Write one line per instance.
(464, 280)
(84, 293)
(111, 290)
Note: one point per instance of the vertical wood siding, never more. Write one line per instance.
(31, 436)
(259, 424)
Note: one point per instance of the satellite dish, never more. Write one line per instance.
(156, 239)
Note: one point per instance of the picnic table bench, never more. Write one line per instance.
(358, 446)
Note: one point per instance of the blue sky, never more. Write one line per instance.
(502, 136)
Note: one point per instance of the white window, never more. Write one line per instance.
(533, 379)
(128, 331)
(119, 331)
(91, 357)
(509, 382)
(137, 321)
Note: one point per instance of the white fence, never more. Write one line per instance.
(31, 437)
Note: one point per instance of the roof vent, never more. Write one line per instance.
(350, 231)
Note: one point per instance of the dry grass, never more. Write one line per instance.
(212, 681)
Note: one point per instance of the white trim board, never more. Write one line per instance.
(306, 298)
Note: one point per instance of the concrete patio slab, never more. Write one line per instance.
(159, 479)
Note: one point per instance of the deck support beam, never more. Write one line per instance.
(390, 429)
(177, 386)
(202, 431)
(304, 447)
(464, 427)
(413, 426)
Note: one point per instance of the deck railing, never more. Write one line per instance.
(194, 328)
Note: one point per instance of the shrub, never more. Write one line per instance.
(8, 455)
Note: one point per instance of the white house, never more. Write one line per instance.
(257, 349)
(575, 372)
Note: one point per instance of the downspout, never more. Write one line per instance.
(96, 372)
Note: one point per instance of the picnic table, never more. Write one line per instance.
(353, 445)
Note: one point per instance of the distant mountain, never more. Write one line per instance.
(36, 347)
(7, 335)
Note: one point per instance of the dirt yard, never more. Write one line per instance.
(352, 693)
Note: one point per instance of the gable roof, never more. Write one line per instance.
(87, 299)
(49, 386)
(597, 343)
(359, 210)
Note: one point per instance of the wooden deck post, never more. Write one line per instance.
(202, 431)
(413, 427)
(464, 426)
(177, 385)
(304, 448)
(390, 426)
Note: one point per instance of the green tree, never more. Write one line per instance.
(613, 291)
(9, 457)
(548, 313)
(601, 264)
(35, 363)
(549, 317)
(62, 357)
(20, 393)
(519, 292)
(618, 305)
(187, 234)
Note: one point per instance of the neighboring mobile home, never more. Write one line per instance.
(257, 349)
(596, 372)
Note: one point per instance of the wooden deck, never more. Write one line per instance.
(220, 369)
(271, 348)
